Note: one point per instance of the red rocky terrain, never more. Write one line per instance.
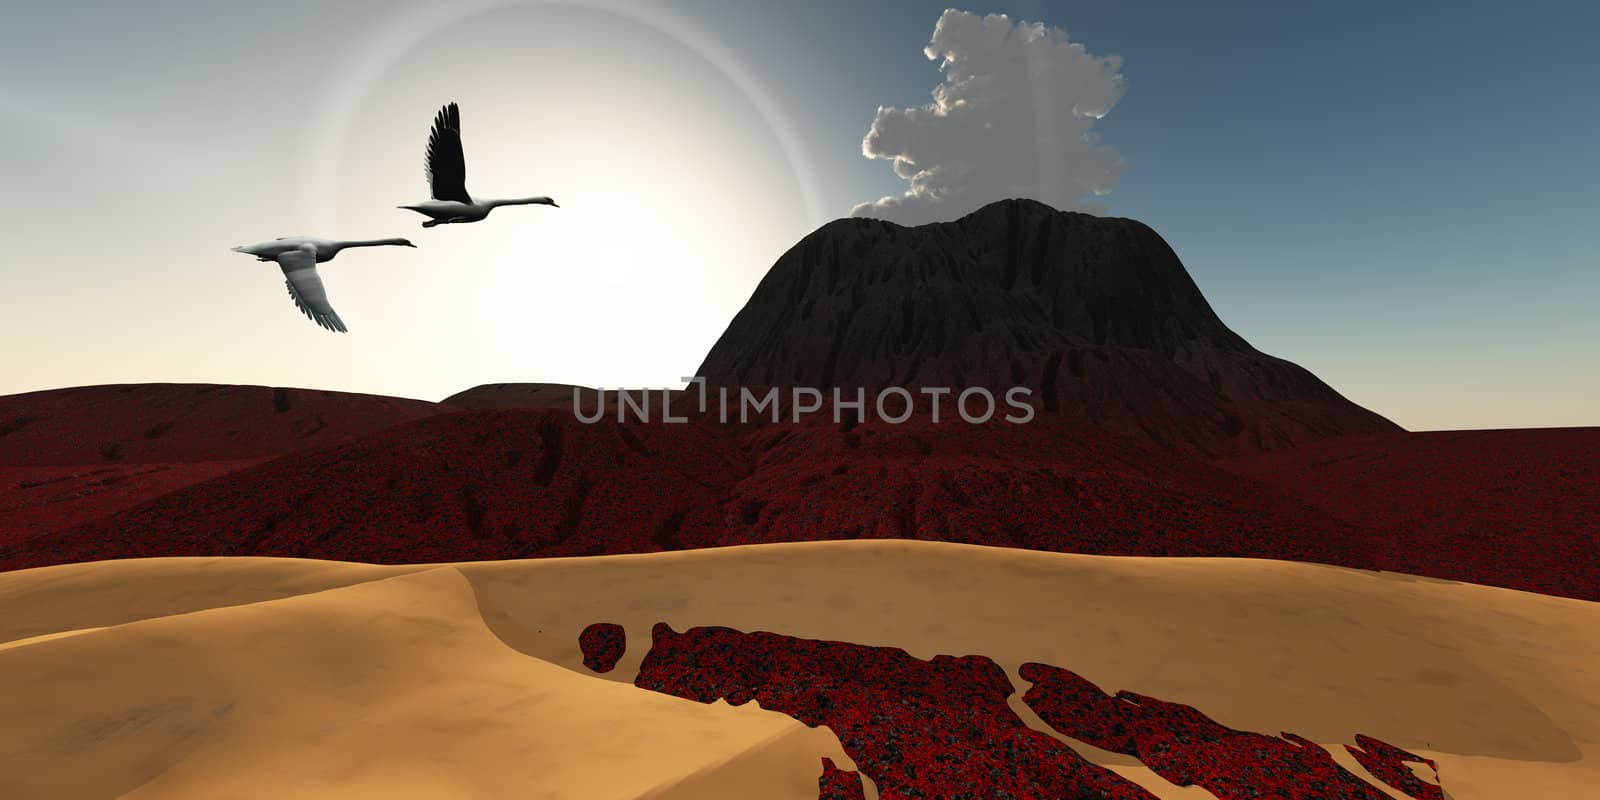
(69, 456)
(942, 728)
(186, 422)
(1138, 391)
(517, 483)
(1515, 508)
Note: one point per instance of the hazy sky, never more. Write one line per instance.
(1400, 198)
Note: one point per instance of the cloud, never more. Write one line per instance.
(1012, 118)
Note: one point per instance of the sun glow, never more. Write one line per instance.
(677, 192)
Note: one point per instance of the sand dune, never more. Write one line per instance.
(244, 678)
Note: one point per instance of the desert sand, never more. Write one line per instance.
(270, 678)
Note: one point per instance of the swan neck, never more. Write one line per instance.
(368, 243)
(519, 201)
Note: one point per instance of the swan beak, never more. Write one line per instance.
(238, 249)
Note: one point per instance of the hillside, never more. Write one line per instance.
(1097, 315)
(516, 483)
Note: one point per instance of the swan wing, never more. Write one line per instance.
(305, 287)
(446, 165)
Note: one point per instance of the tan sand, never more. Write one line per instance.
(272, 678)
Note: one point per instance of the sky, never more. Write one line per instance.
(1399, 197)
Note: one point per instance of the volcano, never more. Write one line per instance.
(1160, 432)
(1096, 315)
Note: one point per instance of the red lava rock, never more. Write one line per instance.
(919, 729)
(1188, 748)
(521, 483)
(171, 423)
(1502, 508)
(942, 728)
(839, 784)
(72, 456)
(603, 644)
(1138, 387)
(39, 500)
(1512, 508)
(1387, 763)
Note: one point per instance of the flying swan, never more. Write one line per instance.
(446, 168)
(299, 257)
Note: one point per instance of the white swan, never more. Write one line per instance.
(446, 168)
(299, 257)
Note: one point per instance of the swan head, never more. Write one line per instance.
(405, 243)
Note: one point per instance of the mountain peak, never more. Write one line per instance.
(1096, 314)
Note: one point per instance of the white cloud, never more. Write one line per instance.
(1012, 118)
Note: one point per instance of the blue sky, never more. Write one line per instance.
(1399, 197)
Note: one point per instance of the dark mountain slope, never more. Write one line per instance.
(1097, 315)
